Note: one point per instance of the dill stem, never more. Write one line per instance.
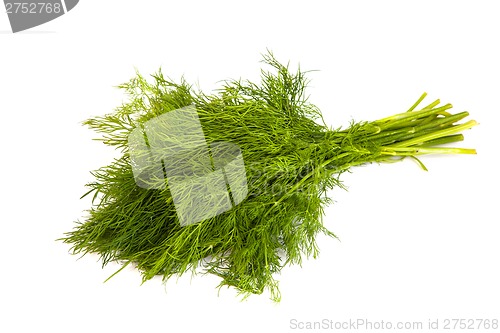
(413, 151)
(437, 134)
(406, 116)
(420, 99)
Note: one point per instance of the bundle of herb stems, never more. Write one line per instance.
(292, 159)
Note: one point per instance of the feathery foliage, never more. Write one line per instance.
(292, 159)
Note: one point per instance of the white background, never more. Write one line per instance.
(413, 246)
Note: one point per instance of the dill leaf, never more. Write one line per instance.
(292, 159)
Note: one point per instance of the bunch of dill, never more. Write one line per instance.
(291, 157)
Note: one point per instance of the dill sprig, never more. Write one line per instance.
(292, 159)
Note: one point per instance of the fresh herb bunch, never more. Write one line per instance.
(292, 159)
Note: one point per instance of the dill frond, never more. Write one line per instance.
(291, 159)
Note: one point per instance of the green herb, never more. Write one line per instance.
(292, 159)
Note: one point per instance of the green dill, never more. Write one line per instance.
(292, 159)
